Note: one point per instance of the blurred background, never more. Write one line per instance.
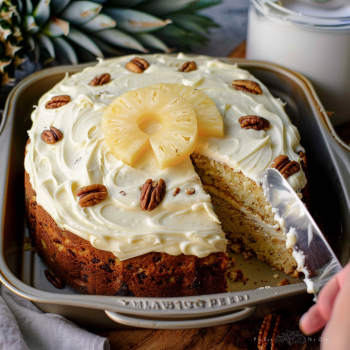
(232, 16)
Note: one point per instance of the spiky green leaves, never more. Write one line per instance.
(11, 42)
(135, 21)
(81, 12)
(76, 30)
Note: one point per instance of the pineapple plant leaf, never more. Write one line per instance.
(153, 42)
(64, 49)
(162, 7)
(80, 12)
(133, 21)
(98, 23)
(72, 31)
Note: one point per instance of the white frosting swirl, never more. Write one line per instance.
(182, 224)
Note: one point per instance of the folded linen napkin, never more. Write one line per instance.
(24, 327)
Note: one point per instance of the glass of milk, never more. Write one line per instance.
(311, 37)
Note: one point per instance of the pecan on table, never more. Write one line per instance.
(100, 79)
(269, 330)
(52, 136)
(57, 101)
(54, 280)
(247, 86)
(254, 122)
(137, 65)
(285, 166)
(188, 66)
(152, 194)
(91, 195)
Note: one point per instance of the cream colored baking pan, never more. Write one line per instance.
(23, 271)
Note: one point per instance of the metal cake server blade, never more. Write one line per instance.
(311, 250)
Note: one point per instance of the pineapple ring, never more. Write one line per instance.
(150, 117)
(209, 119)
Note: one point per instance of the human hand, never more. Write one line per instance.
(333, 310)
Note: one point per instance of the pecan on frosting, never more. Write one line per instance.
(91, 195)
(52, 136)
(254, 122)
(247, 86)
(188, 66)
(303, 161)
(269, 330)
(57, 101)
(137, 65)
(100, 79)
(285, 166)
(190, 191)
(152, 194)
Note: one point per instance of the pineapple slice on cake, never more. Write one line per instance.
(209, 119)
(150, 117)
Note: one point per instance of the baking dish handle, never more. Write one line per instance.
(174, 324)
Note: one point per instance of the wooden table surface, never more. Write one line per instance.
(226, 337)
(236, 336)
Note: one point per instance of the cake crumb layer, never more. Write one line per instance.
(94, 271)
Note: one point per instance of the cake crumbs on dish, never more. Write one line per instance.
(231, 264)
(236, 248)
(237, 275)
(247, 254)
(276, 275)
(28, 244)
(284, 282)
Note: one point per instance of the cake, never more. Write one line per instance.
(116, 209)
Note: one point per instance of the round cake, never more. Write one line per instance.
(127, 160)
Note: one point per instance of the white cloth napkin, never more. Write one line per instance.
(24, 327)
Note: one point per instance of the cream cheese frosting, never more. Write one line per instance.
(183, 224)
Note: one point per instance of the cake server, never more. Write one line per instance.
(311, 250)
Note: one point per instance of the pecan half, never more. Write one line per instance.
(54, 280)
(303, 161)
(152, 194)
(190, 191)
(57, 101)
(188, 66)
(100, 79)
(176, 191)
(91, 195)
(254, 122)
(269, 330)
(248, 86)
(51, 136)
(285, 166)
(137, 65)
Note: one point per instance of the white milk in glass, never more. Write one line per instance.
(308, 36)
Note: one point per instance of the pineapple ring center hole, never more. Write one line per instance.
(150, 123)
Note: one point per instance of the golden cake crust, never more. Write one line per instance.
(94, 271)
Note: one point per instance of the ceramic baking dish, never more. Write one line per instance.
(22, 270)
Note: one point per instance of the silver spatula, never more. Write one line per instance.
(313, 254)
